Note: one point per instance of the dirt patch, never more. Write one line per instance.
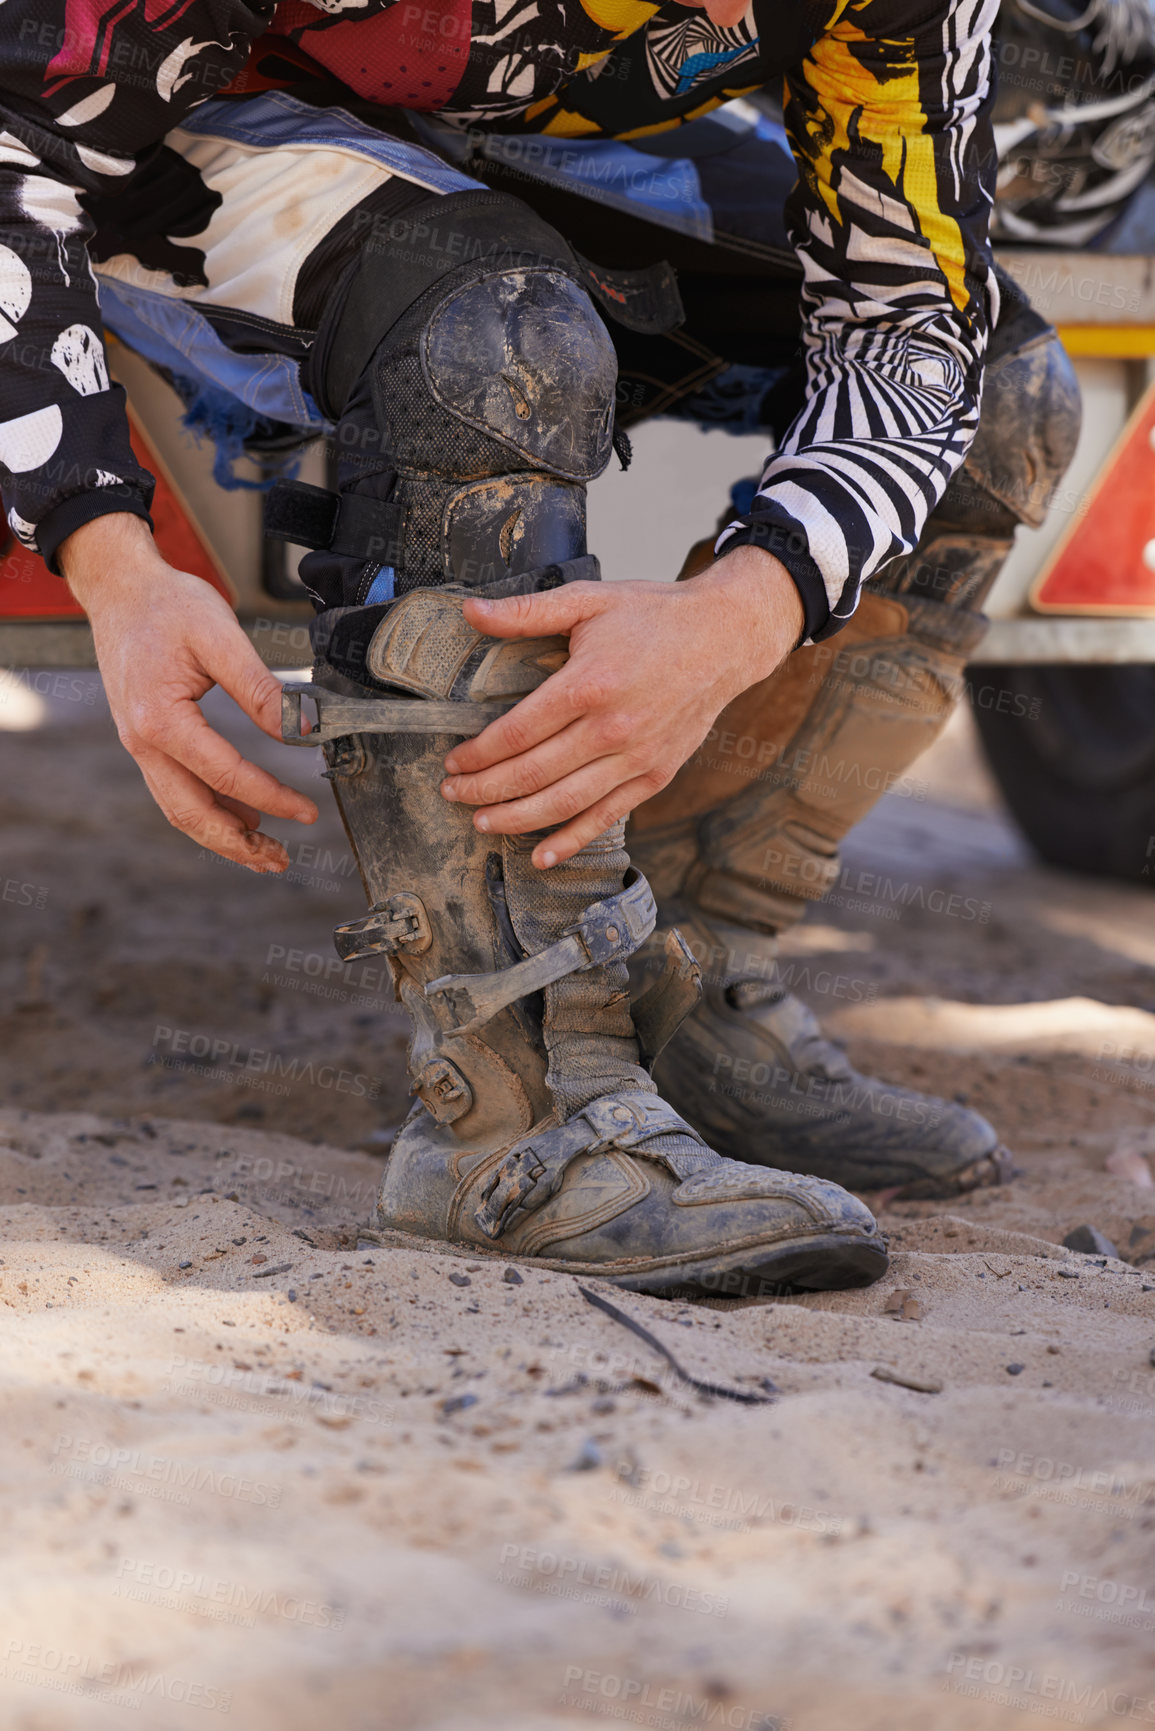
(257, 1472)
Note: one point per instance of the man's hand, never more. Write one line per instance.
(651, 665)
(164, 638)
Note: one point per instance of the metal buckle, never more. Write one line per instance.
(508, 1186)
(398, 923)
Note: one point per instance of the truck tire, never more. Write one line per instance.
(1073, 750)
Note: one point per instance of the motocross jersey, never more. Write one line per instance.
(886, 106)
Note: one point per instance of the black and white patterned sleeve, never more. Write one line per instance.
(888, 119)
(65, 455)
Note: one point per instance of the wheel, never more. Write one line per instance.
(1073, 750)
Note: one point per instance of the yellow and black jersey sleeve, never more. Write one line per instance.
(888, 116)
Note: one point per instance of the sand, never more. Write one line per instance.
(261, 1475)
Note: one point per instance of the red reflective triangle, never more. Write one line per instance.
(28, 590)
(1105, 563)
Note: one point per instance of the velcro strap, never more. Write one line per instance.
(608, 930)
(294, 511)
(352, 524)
(533, 1169)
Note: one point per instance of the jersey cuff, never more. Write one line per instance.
(80, 508)
(779, 533)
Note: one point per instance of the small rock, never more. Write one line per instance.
(460, 1280)
(1053, 1348)
(1090, 1241)
(291, 1296)
(1015, 1369)
(1151, 1356)
(588, 1458)
(1067, 1273)
(184, 1264)
(512, 1277)
(457, 1403)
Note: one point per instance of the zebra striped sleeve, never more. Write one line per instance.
(888, 119)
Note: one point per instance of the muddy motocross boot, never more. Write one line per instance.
(747, 834)
(538, 1133)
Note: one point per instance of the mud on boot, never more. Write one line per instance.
(736, 856)
(754, 1072)
(538, 1132)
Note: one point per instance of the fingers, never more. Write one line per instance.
(222, 828)
(591, 823)
(538, 717)
(239, 670)
(584, 741)
(177, 730)
(562, 802)
(549, 615)
(248, 813)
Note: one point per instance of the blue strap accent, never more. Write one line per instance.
(381, 588)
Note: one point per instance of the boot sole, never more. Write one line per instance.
(828, 1262)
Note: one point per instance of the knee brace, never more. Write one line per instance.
(1027, 433)
(472, 384)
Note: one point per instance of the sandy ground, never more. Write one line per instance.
(255, 1474)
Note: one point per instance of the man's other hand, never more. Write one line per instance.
(163, 639)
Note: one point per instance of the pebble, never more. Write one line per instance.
(920, 1384)
(1090, 1241)
(512, 1277)
(1015, 1369)
(587, 1459)
(184, 1264)
(460, 1280)
(457, 1403)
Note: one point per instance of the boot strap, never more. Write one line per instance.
(533, 1169)
(609, 930)
(662, 1008)
(338, 715)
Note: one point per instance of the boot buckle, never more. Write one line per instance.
(398, 923)
(507, 1189)
(608, 930)
(443, 1090)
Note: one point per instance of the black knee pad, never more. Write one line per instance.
(495, 400)
(472, 382)
(1031, 415)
